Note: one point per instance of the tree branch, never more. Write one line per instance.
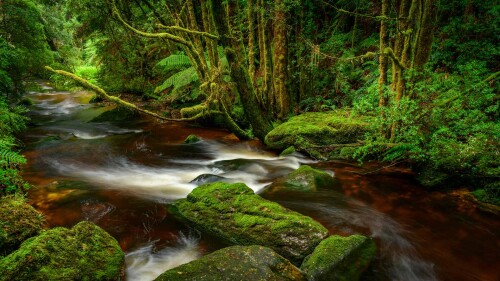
(182, 29)
(99, 91)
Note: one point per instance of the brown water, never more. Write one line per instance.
(121, 175)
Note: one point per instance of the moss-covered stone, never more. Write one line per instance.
(117, 114)
(304, 178)
(249, 263)
(340, 258)
(85, 252)
(18, 222)
(311, 131)
(234, 213)
(288, 151)
(192, 139)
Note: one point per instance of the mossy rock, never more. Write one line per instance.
(18, 222)
(236, 214)
(304, 178)
(288, 151)
(85, 252)
(117, 114)
(192, 139)
(249, 263)
(311, 131)
(340, 258)
(96, 99)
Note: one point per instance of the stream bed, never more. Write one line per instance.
(121, 175)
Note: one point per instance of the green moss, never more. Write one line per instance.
(311, 131)
(234, 213)
(85, 252)
(117, 114)
(288, 151)
(251, 263)
(192, 139)
(18, 222)
(340, 258)
(304, 178)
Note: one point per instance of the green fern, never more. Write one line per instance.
(179, 80)
(174, 62)
(11, 158)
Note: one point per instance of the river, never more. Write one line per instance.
(120, 175)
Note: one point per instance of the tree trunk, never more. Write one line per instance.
(280, 65)
(235, 53)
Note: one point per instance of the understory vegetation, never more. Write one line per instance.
(424, 74)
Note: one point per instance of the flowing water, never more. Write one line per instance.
(120, 175)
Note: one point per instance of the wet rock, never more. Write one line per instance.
(311, 131)
(340, 258)
(250, 263)
(85, 252)
(18, 222)
(304, 178)
(234, 213)
(288, 151)
(117, 114)
(207, 178)
(192, 139)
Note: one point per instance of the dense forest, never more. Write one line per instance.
(423, 74)
(400, 83)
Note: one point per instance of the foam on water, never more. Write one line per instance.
(146, 264)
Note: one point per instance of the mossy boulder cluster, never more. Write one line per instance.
(250, 263)
(310, 132)
(85, 252)
(304, 178)
(285, 238)
(18, 222)
(234, 213)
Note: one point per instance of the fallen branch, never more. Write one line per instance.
(100, 92)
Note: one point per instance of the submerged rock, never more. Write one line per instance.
(116, 114)
(85, 252)
(249, 263)
(311, 131)
(340, 258)
(304, 178)
(207, 178)
(18, 222)
(234, 213)
(192, 139)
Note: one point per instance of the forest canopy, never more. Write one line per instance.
(424, 74)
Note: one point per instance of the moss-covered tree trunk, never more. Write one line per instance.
(412, 45)
(236, 55)
(384, 40)
(280, 55)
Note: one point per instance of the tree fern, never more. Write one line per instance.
(179, 80)
(174, 62)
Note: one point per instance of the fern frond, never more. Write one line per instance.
(179, 80)
(174, 62)
(11, 158)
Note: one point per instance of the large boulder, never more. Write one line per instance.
(340, 258)
(234, 213)
(250, 263)
(304, 178)
(18, 222)
(310, 132)
(85, 252)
